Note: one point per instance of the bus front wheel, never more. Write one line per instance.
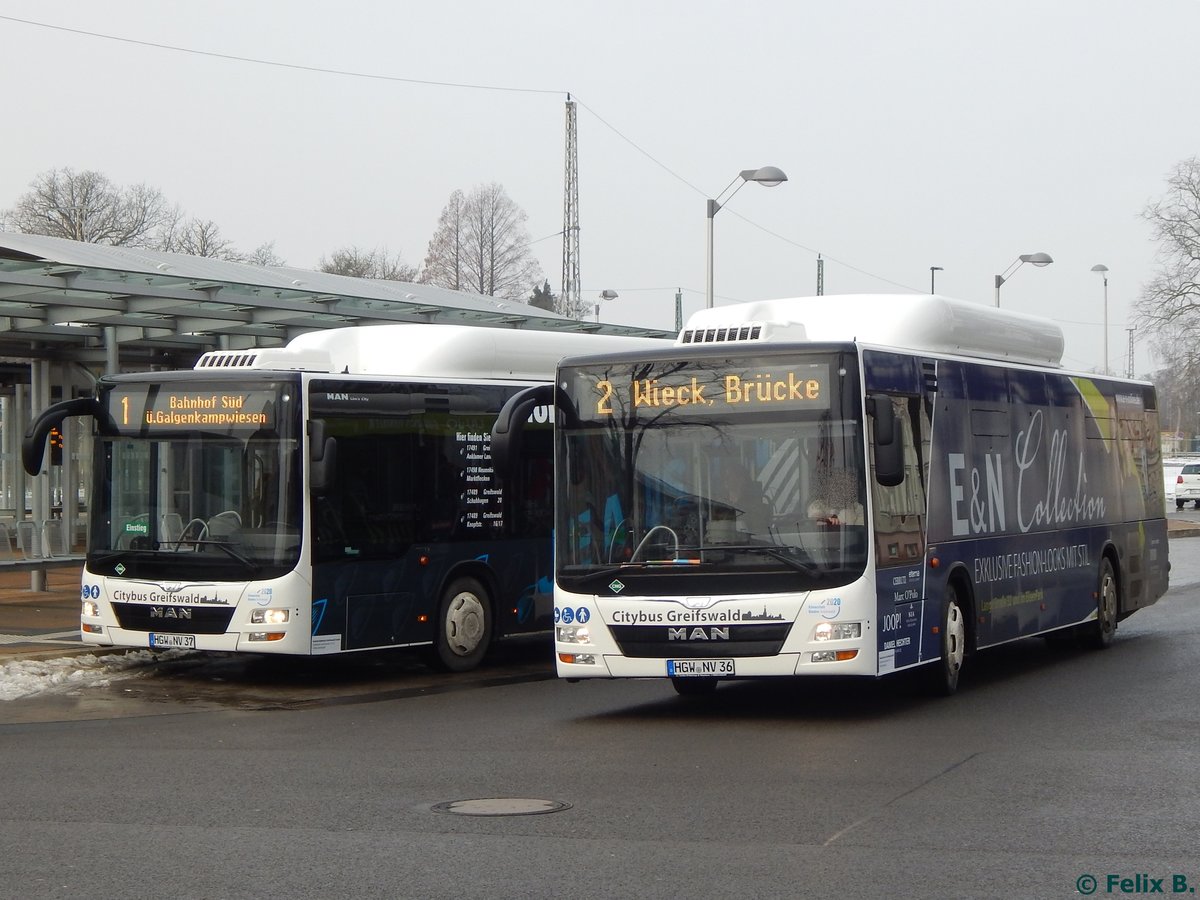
(464, 626)
(1099, 634)
(953, 634)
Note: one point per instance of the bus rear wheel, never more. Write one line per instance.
(464, 626)
(953, 633)
(1099, 634)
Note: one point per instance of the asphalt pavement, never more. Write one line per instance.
(45, 624)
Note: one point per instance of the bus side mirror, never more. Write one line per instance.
(889, 452)
(33, 444)
(510, 423)
(322, 459)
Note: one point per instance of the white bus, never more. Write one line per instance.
(850, 485)
(333, 495)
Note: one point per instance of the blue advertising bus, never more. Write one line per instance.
(333, 495)
(851, 485)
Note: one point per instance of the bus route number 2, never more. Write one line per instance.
(604, 404)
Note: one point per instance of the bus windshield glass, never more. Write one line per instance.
(200, 481)
(748, 470)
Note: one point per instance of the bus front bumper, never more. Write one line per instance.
(575, 662)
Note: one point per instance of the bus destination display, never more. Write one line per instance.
(710, 390)
(155, 408)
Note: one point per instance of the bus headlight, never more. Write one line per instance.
(268, 616)
(837, 631)
(91, 609)
(573, 634)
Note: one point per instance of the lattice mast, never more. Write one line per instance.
(569, 302)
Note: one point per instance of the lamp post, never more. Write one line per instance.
(767, 176)
(933, 270)
(605, 295)
(1037, 259)
(1103, 270)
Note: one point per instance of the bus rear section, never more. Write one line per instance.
(766, 500)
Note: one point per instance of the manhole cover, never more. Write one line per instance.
(501, 806)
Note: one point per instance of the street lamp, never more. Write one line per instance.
(933, 270)
(1037, 259)
(605, 295)
(1103, 270)
(767, 176)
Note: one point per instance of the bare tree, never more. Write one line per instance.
(264, 255)
(1169, 305)
(200, 237)
(481, 245)
(1178, 386)
(444, 265)
(1172, 298)
(368, 264)
(86, 206)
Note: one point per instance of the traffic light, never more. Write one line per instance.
(56, 447)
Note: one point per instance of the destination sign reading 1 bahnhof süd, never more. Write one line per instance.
(228, 408)
(717, 391)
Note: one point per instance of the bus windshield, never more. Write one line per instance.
(752, 469)
(199, 483)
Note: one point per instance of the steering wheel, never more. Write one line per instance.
(195, 530)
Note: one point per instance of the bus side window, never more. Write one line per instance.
(899, 509)
(886, 443)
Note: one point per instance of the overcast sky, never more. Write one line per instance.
(957, 134)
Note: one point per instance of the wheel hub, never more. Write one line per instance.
(464, 623)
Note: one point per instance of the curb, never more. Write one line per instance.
(40, 654)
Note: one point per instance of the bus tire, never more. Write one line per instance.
(953, 634)
(694, 687)
(464, 626)
(1099, 634)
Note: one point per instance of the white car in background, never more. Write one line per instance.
(1187, 485)
(1171, 470)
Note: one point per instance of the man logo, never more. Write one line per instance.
(698, 633)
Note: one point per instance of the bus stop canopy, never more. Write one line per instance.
(71, 311)
(75, 302)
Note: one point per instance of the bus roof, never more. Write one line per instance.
(921, 322)
(425, 351)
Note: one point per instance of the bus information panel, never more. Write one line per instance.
(150, 409)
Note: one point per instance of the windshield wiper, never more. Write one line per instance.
(618, 568)
(109, 556)
(770, 550)
(228, 548)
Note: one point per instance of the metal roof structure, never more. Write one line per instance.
(66, 300)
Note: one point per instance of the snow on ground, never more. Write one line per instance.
(70, 674)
